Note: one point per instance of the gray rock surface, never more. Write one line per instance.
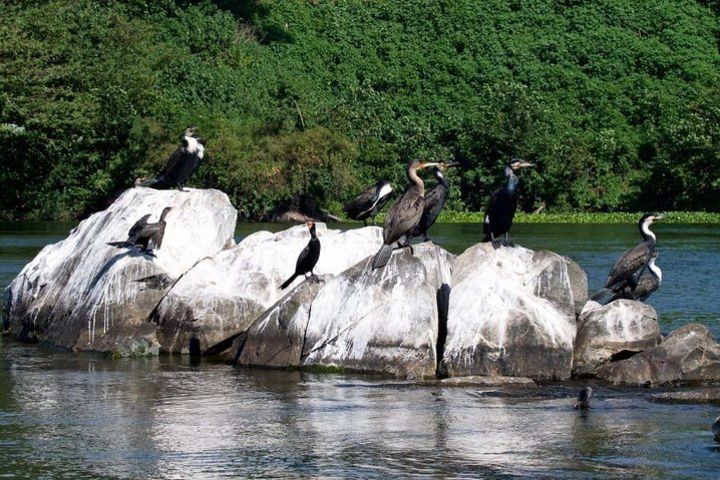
(512, 313)
(689, 355)
(705, 395)
(383, 321)
(82, 294)
(618, 329)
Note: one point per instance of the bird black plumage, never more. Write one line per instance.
(181, 164)
(583, 399)
(434, 201)
(501, 207)
(369, 203)
(635, 258)
(307, 259)
(403, 215)
(648, 281)
(144, 234)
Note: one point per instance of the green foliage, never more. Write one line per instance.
(617, 101)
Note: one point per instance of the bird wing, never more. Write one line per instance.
(402, 216)
(137, 227)
(157, 235)
(628, 264)
(173, 160)
(362, 202)
(489, 211)
(301, 258)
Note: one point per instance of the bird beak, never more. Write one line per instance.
(658, 217)
(309, 224)
(428, 164)
(447, 165)
(524, 164)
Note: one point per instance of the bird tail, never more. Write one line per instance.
(600, 294)
(486, 238)
(382, 256)
(288, 281)
(124, 244)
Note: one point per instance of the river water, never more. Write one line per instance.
(68, 415)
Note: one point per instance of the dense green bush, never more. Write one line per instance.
(617, 101)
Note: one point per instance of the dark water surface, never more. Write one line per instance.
(82, 416)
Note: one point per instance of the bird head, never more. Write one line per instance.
(518, 163)
(649, 218)
(190, 130)
(310, 226)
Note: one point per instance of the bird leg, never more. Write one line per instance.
(426, 237)
(181, 187)
(374, 224)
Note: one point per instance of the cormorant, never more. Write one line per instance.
(143, 233)
(434, 201)
(648, 281)
(500, 209)
(404, 214)
(307, 259)
(181, 163)
(630, 263)
(583, 400)
(716, 429)
(369, 202)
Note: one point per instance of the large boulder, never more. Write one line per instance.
(83, 294)
(612, 332)
(222, 295)
(689, 355)
(383, 320)
(512, 313)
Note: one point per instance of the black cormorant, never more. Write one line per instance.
(648, 281)
(630, 263)
(370, 202)
(143, 233)
(500, 209)
(307, 259)
(181, 163)
(583, 399)
(716, 429)
(403, 215)
(434, 201)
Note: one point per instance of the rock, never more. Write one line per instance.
(614, 331)
(689, 355)
(365, 320)
(494, 381)
(82, 294)
(706, 395)
(511, 313)
(223, 295)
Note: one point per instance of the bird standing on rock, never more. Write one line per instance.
(181, 163)
(404, 214)
(369, 202)
(434, 201)
(144, 234)
(501, 207)
(648, 281)
(307, 259)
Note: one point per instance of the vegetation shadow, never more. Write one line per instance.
(256, 15)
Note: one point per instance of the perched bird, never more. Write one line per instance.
(501, 207)
(583, 400)
(143, 233)
(648, 281)
(434, 201)
(404, 214)
(716, 429)
(307, 259)
(369, 202)
(181, 163)
(634, 259)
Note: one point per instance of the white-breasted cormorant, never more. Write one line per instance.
(143, 233)
(404, 214)
(583, 399)
(434, 201)
(500, 209)
(629, 264)
(369, 202)
(648, 281)
(181, 163)
(307, 259)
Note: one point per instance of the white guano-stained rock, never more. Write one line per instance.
(609, 332)
(221, 296)
(511, 313)
(83, 294)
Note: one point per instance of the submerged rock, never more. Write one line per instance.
(689, 355)
(222, 296)
(512, 313)
(82, 294)
(383, 320)
(614, 331)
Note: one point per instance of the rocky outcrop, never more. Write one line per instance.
(82, 294)
(689, 355)
(366, 320)
(222, 295)
(612, 332)
(512, 313)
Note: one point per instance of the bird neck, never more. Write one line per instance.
(192, 145)
(313, 234)
(512, 180)
(646, 233)
(163, 215)
(441, 179)
(655, 269)
(417, 181)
